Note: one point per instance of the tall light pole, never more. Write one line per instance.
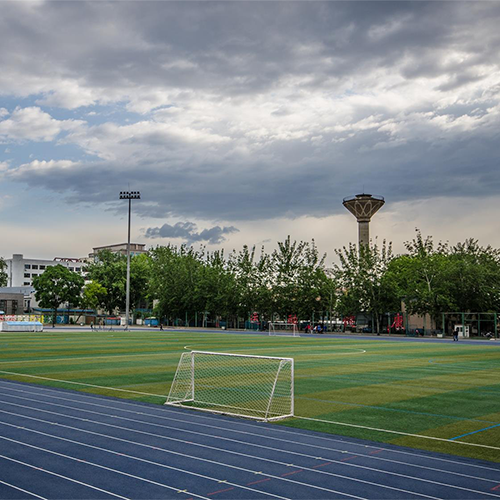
(128, 195)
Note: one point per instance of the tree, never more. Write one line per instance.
(174, 276)
(93, 295)
(110, 270)
(362, 280)
(421, 277)
(473, 277)
(253, 282)
(56, 286)
(3, 275)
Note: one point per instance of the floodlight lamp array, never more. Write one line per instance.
(130, 195)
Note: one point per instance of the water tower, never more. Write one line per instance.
(363, 207)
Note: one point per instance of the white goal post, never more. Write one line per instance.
(283, 328)
(259, 387)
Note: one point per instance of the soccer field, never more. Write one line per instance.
(433, 395)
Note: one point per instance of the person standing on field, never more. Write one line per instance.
(455, 335)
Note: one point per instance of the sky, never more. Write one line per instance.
(245, 122)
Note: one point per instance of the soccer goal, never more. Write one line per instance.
(259, 387)
(283, 328)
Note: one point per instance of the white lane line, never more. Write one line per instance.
(246, 455)
(61, 476)
(20, 489)
(218, 480)
(193, 417)
(85, 385)
(222, 450)
(246, 443)
(92, 464)
(399, 433)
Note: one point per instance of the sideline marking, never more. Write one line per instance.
(87, 385)
(89, 357)
(400, 433)
(475, 432)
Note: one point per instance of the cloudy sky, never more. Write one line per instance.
(243, 122)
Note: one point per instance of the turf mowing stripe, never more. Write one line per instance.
(398, 432)
(89, 357)
(475, 432)
(87, 385)
(383, 408)
(161, 414)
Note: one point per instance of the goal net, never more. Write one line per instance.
(259, 387)
(283, 328)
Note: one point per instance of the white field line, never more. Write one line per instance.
(161, 411)
(246, 443)
(226, 482)
(20, 489)
(399, 433)
(86, 358)
(60, 476)
(79, 460)
(254, 457)
(85, 385)
(420, 436)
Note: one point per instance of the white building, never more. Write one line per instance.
(21, 271)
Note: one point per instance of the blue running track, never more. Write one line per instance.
(59, 444)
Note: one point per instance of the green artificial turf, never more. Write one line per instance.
(413, 389)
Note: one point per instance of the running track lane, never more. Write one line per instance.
(57, 443)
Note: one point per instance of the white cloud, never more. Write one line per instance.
(35, 125)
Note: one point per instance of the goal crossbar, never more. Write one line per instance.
(283, 329)
(251, 386)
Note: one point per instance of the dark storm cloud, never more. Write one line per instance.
(278, 109)
(187, 231)
(240, 47)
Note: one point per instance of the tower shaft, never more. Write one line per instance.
(363, 207)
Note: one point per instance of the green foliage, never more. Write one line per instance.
(110, 270)
(300, 283)
(3, 275)
(56, 286)
(434, 279)
(93, 295)
(364, 284)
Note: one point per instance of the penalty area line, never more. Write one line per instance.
(83, 384)
(421, 436)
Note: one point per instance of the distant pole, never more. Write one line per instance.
(128, 195)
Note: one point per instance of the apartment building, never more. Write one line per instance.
(21, 270)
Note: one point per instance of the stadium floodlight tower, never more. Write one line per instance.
(363, 207)
(128, 195)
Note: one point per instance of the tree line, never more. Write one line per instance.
(294, 279)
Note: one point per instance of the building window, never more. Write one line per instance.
(26, 283)
(27, 275)
(71, 268)
(77, 269)
(34, 266)
(27, 266)
(42, 267)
